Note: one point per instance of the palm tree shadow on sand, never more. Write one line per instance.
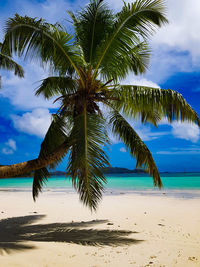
(15, 231)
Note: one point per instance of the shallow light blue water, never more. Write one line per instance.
(174, 181)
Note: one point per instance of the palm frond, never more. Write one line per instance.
(136, 20)
(151, 116)
(39, 179)
(135, 145)
(92, 25)
(41, 40)
(136, 59)
(7, 63)
(52, 86)
(55, 136)
(136, 100)
(87, 158)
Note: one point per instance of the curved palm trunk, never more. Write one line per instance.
(31, 165)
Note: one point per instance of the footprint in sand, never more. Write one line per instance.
(72, 256)
(153, 257)
(94, 254)
(192, 258)
(149, 264)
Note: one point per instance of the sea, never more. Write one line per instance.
(174, 184)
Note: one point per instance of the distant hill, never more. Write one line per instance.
(118, 170)
(109, 170)
(58, 173)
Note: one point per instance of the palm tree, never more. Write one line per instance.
(89, 67)
(7, 63)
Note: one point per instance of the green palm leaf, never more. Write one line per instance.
(8, 64)
(92, 25)
(135, 145)
(52, 86)
(39, 179)
(136, 20)
(55, 136)
(44, 41)
(87, 158)
(135, 60)
(135, 101)
(151, 116)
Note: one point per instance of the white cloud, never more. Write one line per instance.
(183, 130)
(132, 79)
(146, 134)
(12, 144)
(21, 92)
(186, 130)
(176, 46)
(123, 149)
(7, 151)
(166, 61)
(193, 150)
(35, 123)
(182, 32)
(10, 147)
(51, 10)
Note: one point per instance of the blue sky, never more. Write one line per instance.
(175, 64)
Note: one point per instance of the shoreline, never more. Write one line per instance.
(171, 193)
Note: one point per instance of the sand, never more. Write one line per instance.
(127, 230)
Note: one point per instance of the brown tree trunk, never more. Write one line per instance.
(31, 165)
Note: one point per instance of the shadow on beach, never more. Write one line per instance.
(15, 231)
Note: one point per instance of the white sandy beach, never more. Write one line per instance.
(127, 230)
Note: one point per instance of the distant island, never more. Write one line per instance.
(118, 170)
(109, 170)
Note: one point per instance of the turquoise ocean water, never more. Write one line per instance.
(126, 182)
